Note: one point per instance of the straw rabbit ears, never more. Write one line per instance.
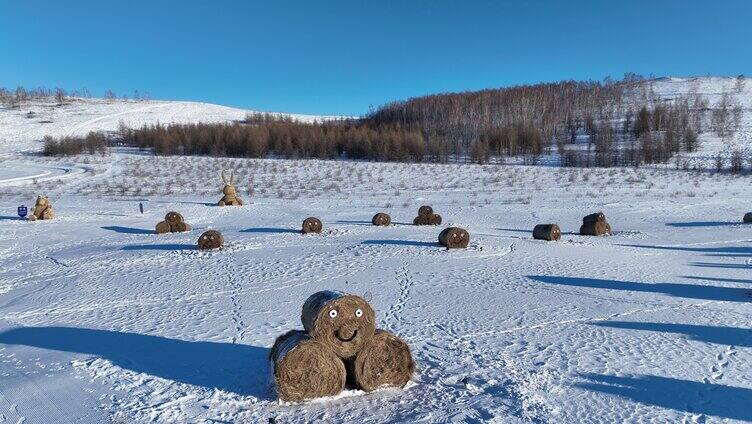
(226, 180)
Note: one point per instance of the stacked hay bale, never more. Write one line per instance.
(548, 232)
(340, 345)
(454, 238)
(42, 209)
(312, 225)
(230, 197)
(210, 240)
(304, 368)
(748, 217)
(173, 223)
(426, 216)
(381, 219)
(595, 225)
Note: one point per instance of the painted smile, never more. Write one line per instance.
(349, 339)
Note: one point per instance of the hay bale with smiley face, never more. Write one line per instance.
(454, 238)
(381, 219)
(210, 240)
(312, 225)
(385, 361)
(304, 368)
(342, 322)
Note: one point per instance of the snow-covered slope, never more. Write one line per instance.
(22, 128)
(712, 88)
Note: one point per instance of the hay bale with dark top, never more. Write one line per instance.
(381, 219)
(594, 217)
(425, 210)
(211, 239)
(549, 232)
(386, 361)
(434, 219)
(312, 225)
(748, 217)
(342, 322)
(173, 217)
(595, 228)
(304, 368)
(454, 238)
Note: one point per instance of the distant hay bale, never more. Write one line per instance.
(173, 223)
(420, 220)
(381, 219)
(342, 322)
(211, 239)
(386, 361)
(42, 209)
(595, 228)
(454, 238)
(594, 217)
(748, 217)
(163, 227)
(304, 368)
(429, 218)
(425, 210)
(312, 225)
(549, 232)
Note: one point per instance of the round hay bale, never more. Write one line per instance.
(454, 238)
(162, 227)
(312, 225)
(434, 219)
(549, 232)
(173, 217)
(425, 210)
(381, 219)
(183, 227)
(594, 217)
(211, 239)
(748, 217)
(304, 368)
(595, 228)
(386, 361)
(342, 322)
(420, 220)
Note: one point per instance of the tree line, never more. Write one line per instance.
(586, 123)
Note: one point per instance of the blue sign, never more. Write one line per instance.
(22, 211)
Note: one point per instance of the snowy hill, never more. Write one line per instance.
(22, 128)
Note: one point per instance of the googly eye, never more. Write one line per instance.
(358, 313)
(333, 313)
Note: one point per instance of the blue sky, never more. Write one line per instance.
(339, 57)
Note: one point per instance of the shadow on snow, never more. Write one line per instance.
(236, 368)
(672, 393)
(128, 230)
(703, 333)
(691, 291)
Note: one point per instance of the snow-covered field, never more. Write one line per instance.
(103, 321)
